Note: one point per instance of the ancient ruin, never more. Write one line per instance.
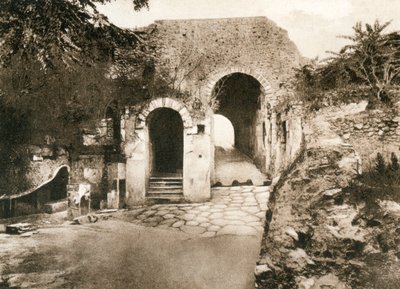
(222, 146)
(234, 68)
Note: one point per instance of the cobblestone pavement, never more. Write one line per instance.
(231, 211)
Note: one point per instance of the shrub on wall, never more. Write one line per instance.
(367, 68)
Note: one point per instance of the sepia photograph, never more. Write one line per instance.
(199, 144)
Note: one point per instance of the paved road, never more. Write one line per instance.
(231, 210)
(186, 246)
(233, 165)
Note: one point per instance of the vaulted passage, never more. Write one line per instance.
(166, 139)
(239, 98)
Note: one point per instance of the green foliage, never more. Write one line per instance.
(373, 57)
(394, 165)
(371, 60)
(380, 166)
(381, 182)
(386, 173)
(64, 58)
(63, 64)
(70, 31)
(59, 62)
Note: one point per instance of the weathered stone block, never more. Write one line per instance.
(55, 207)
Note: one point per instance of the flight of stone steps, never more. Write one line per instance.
(165, 186)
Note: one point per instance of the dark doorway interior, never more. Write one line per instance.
(238, 95)
(239, 99)
(58, 187)
(166, 137)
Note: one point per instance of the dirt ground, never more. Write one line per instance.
(117, 254)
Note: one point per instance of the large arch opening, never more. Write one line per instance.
(166, 142)
(239, 97)
(224, 133)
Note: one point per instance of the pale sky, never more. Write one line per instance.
(313, 25)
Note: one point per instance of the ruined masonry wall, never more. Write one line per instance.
(197, 54)
(370, 133)
(256, 46)
(201, 52)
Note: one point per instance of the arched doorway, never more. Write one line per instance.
(166, 142)
(224, 133)
(240, 98)
(165, 124)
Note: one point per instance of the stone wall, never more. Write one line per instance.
(199, 53)
(196, 54)
(218, 47)
(370, 132)
(41, 171)
(100, 135)
(316, 235)
(297, 233)
(289, 138)
(89, 170)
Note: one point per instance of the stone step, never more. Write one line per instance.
(165, 188)
(170, 197)
(165, 185)
(19, 228)
(166, 179)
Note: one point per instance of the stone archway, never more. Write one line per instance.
(164, 102)
(240, 98)
(166, 124)
(141, 167)
(166, 142)
(246, 102)
(219, 74)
